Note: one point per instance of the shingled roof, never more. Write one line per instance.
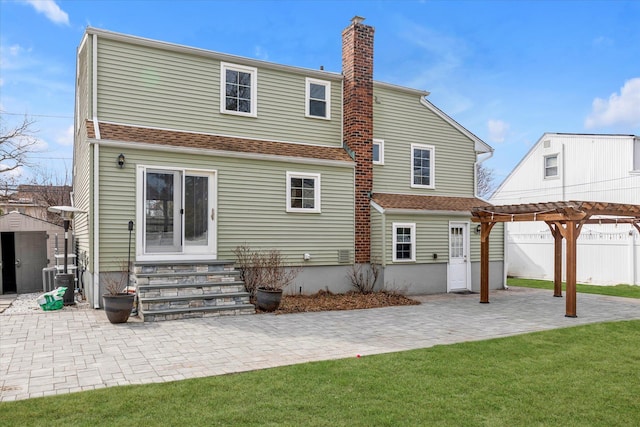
(127, 133)
(427, 203)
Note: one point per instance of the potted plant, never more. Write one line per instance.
(118, 302)
(265, 275)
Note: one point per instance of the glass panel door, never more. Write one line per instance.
(196, 211)
(163, 222)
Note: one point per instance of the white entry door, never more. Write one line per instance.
(459, 267)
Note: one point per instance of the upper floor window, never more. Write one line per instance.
(422, 166)
(303, 192)
(378, 152)
(551, 166)
(636, 155)
(404, 242)
(318, 99)
(238, 89)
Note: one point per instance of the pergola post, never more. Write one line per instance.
(485, 230)
(572, 236)
(557, 259)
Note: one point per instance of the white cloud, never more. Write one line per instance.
(445, 53)
(620, 110)
(51, 10)
(497, 130)
(65, 137)
(261, 53)
(602, 41)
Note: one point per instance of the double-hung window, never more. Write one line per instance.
(303, 192)
(422, 166)
(404, 242)
(551, 166)
(318, 96)
(238, 89)
(378, 152)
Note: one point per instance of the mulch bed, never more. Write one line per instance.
(326, 301)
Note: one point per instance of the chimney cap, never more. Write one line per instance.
(357, 19)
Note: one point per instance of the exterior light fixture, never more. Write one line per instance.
(121, 160)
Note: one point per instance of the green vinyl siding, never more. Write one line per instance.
(432, 237)
(170, 89)
(251, 206)
(377, 221)
(496, 243)
(82, 158)
(401, 120)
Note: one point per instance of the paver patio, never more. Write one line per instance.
(47, 353)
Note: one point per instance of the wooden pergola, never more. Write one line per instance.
(565, 219)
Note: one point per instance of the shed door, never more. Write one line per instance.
(31, 258)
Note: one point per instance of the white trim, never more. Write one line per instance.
(480, 146)
(412, 227)
(380, 143)
(426, 212)
(253, 101)
(94, 87)
(385, 85)
(432, 165)
(96, 226)
(210, 251)
(307, 98)
(221, 153)
(316, 191)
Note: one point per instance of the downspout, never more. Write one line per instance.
(96, 227)
(96, 175)
(384, 240)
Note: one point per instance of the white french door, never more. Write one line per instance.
(176, 214)
(459, 267)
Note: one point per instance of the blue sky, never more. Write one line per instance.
(508, 71)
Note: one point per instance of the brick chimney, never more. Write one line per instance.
(357, 69)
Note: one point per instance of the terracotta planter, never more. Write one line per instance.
(268, 300)
(118, 307)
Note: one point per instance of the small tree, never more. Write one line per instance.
(485, 181)
(16, 143)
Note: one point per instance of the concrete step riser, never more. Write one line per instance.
(151, 306)
(189, 291)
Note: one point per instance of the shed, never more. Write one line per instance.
(27, 245)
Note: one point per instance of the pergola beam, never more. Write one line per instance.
(565, 220)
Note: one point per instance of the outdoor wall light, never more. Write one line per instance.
(478, 228)
(121, 160)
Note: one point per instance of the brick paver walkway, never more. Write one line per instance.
(48, 353)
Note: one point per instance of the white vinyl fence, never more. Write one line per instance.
(604, 257)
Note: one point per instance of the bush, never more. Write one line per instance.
(263, 269)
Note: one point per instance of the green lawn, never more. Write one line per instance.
(579, 376)
(628, 291)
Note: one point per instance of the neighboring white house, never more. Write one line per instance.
(559, 167)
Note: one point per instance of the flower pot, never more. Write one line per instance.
(267, 299)
(118, 307)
